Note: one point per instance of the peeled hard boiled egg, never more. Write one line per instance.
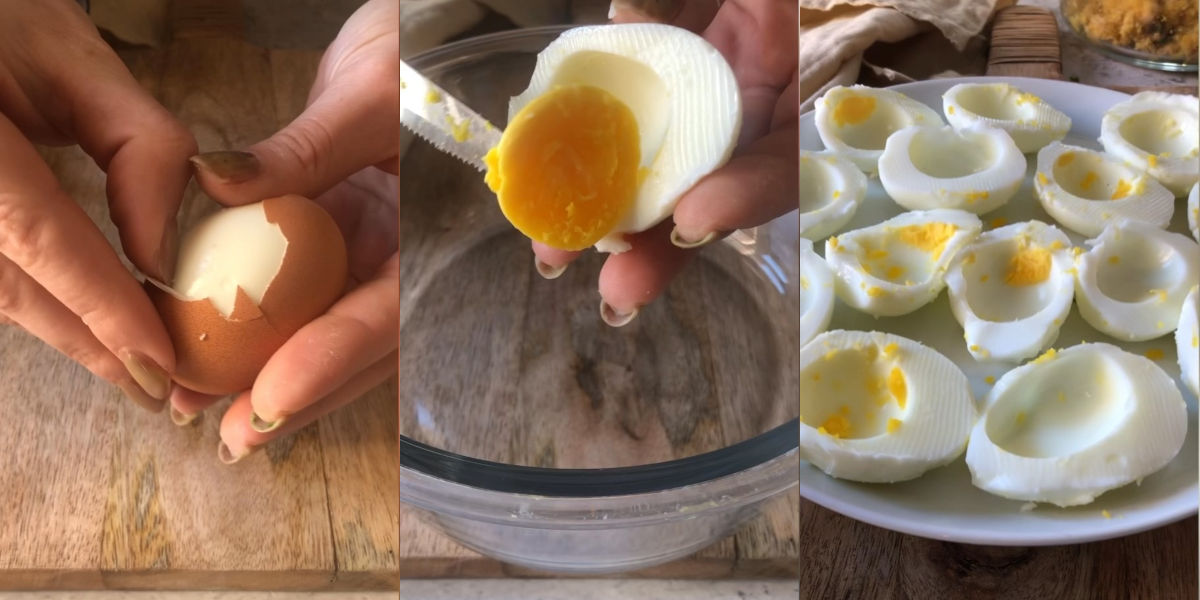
(1011, 290)
(1029, 120)
(816, 293)
(617, 123)
(975, 169)
(1193, 211)
(831, 189)
(878, 407)
(246, 279)
(1158, 133)
(1132, 282)
(1187, 342)
(1072, 424)
(856, 121)
(1085, 190)
(897, 266)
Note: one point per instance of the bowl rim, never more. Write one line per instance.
(430, 475)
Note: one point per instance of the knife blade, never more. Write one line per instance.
(443, 120)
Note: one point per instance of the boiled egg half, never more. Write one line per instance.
(1158, 133)
(976, 169)
(831, 190)
(856, 121)
(1187, 342)
(816, 293)
(1193, 211)
(1030, 121)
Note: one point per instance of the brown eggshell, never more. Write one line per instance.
(313, 274)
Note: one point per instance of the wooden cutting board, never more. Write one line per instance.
(99, 494)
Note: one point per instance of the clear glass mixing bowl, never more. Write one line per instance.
(534, 433)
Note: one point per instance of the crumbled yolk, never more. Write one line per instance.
(950, 109)
(833, 242)
(989, 380)
(893, 424)
(1064, 159)
(874, 292)
(890, 349)
(1154, 354)
(897, 386)
(1114, 259)
(999, 222)
(970, 258)
(803, 282)
(433, 97)
(1088, 179)
(566, 168)
(930, 237)
(1029, 266)
(1027, 98)
(894, 272)
(1056, 245)
(1195, 341)
(1062, 397)
(837, 194)
(835, 426)
(1107, 515)
(1046, 357)
(1123, 189)
(853, 110)
(1152, 160)
(983, 278)
(1162, 294)
(1042, 179)
(460, 130)
(1020, 418)
(973, 196)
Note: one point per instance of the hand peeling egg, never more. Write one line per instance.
(1085, 190)
(816, 293)
(1072, 424)
(1011, 290)
(899, 265)
(1193, 211)
(1028, 120)
(879, 408)
(1187, 342)
(856, 121)
(1157, 133)
(1132, 282)
(976, 169)
(831, 190)
(618, 121)
(246, 279)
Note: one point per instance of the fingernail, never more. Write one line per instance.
(168, 250)
(134, 392)
(262, 426)
(227, 457)
(547, 271)
(659, 10)
(153, 378)
(181, 419)
(615, 318)
(680, 242)
(230, 166)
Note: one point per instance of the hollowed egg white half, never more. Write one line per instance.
(831, 190)
(1193, 211)
(1030, 121)
(856, 121)
(1187, 342)
(1011, 290)
(1132, 282)
(899, 265)
(1085, 190)
(816, 293)
(1158, 133)
(1070, 425)
(975, 169)
(877, 407)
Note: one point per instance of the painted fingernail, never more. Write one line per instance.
(681, 242)
(547, 271)
(230, 166)
(260, 425)
(153, 378)
(228, 457)
(181, 419)
(168, 250)
(615, 318)
(135, 393)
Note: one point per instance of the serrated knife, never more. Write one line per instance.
(443, 120)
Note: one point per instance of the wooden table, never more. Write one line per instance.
(98, 494)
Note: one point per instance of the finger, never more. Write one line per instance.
(187, 404)
(238, 439)
(49, 238)
(358, 330)
(552, 262)
(631, 280)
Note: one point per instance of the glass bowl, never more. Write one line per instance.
(534, 433)
(1156, 35)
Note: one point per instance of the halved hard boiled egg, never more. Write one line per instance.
(816, 293)
(1193, 211)
(1072, 424)
(1158, 133)
(831, 189)
(1030, 121)
(856, 121)
(975, 169)
(1085, 190)
(617, 123)
(1187, 342)
(878, 407)
(898, 265)
(1132, 282)
(1011, 290)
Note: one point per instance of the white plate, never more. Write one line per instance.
(942, 504)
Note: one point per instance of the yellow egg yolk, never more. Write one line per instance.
(566, 170)
(897, 386)
(853, 110)
(930, 237)
(1029, 266)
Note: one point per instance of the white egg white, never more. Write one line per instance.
(1158, 133)
(816, 293)
(1132, 282)
(1085, 190)
(977, 169)
(877, 407)
(1072, 424)
(856, 121)
(1011, 289)
(1030, 121)
(831, 190)
(899, 265)
(1193, 211)
(1187, 342)
(681, 91)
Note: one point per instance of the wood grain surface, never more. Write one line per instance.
(100, 494)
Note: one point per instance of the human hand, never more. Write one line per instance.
(60, 279)
(342, 152)
(759, 38)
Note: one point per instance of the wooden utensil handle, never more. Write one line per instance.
(1025, 44)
